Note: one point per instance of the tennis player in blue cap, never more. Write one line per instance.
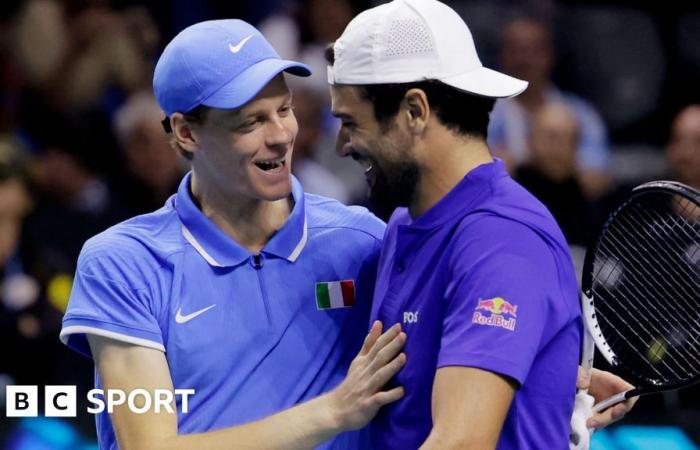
(242, 287)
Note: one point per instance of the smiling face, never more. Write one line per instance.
(383, 149)
(247, 152)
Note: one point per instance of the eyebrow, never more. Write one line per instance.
(253, 113)
(341, 115)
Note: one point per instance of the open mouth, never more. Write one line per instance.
(370, 175)
(364, 162)
(271, 165)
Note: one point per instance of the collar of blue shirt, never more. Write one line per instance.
(219, 250)
(466, 196)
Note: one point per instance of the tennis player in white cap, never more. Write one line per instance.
(474, 266)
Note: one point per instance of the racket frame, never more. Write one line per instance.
(592, 329)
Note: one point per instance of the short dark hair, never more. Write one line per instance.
(459, 111)
(196, 115)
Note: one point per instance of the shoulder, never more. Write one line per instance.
(486, 229)
(133, 248)
(325, 213)
(486, 242)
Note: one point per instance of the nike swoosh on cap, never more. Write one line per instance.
(179, 318)
(237, 48)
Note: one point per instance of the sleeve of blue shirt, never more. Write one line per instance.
(494, 258)
(112, 296)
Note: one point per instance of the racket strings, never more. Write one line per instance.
(639, 283)
(636, 325)
(683, 268)
(615, 341)
(634, 344)
(646, 281)
(661, 249)
(690, 271)
(645, 250)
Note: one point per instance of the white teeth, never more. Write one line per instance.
(279, 160)
(269, 164)
(368, 167)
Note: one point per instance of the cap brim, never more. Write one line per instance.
(487, 83)
(248, 83)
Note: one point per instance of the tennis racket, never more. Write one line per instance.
(641, 293)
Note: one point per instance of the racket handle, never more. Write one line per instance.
(580, 434)
(588, 347)
(611, 401)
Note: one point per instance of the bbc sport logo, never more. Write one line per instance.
(61, 401)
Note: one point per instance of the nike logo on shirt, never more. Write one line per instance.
(179, 318)
(237, 48)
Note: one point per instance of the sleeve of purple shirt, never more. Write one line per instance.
(503, 281)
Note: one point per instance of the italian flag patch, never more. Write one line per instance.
(335, 294)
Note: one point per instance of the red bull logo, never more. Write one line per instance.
(497, 307)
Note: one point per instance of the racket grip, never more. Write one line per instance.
(580, 434)
(611, 401)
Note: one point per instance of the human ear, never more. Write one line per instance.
(417, 110)
(183, 132)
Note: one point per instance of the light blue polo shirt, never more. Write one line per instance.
(244, 331)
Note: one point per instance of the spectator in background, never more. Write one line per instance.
(30, 315)
(19, 293)
(153, 167)
(683, 149)
(528, 53)
(304, 31)
(551, 172)
(683, 158)
(75, 202)
(19, 290)
(85, 48)
(316, 179)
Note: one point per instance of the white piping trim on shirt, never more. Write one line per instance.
(199, 248)
(77, 329)
(300, 246)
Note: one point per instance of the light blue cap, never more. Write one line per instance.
(218, 63)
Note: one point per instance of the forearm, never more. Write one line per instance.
(304, 426)
(349, 406)
(469, 408)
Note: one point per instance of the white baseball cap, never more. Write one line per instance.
(406, 41)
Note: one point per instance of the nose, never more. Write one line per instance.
(279, 133)
(342, 145)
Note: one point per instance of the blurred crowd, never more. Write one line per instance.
(82, 147)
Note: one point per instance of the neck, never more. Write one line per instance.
(248, 221)
(448, 159)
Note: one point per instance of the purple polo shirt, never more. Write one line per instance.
(483, 279)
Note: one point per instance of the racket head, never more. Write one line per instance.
(641, 286)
